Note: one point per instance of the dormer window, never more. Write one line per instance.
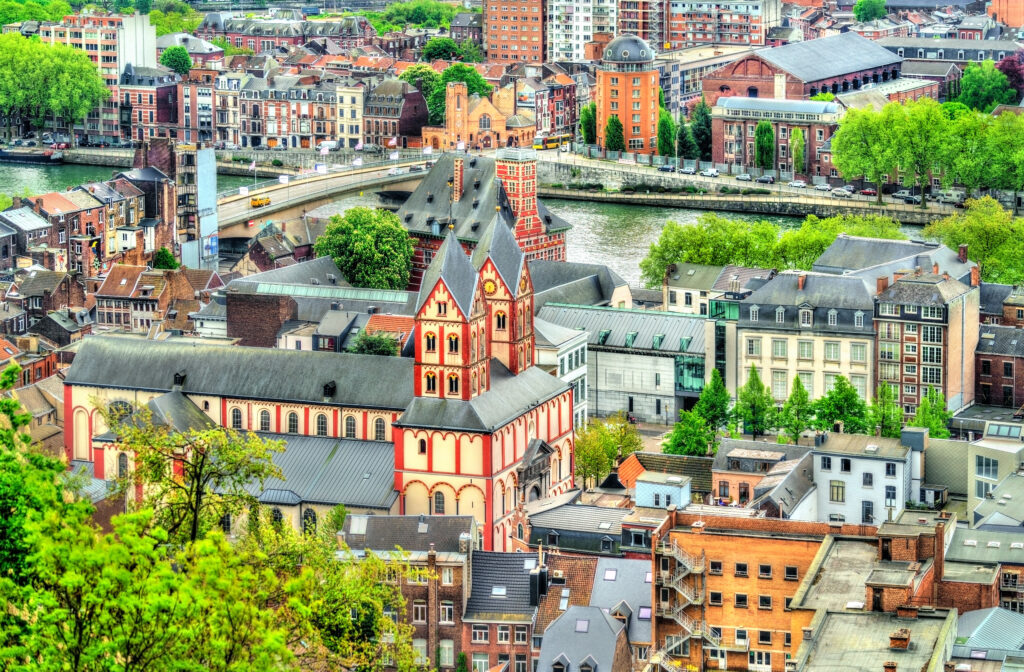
(753, 313)
(442, 308)
(833, 317)
(780, 315)
(806, 317)
(858, 320)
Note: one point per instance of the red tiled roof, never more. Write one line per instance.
(121, 280)
(391, 324)
(577, 574)
(54, 203)
(7, 350)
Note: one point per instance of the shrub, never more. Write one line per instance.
(747, 192)
(277, 163)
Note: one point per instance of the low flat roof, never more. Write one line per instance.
(859, 641)
(840, 578)
(968, 572)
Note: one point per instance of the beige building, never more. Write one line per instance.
(990, 460)
(813, 326)
(350, 113)
(690, 288)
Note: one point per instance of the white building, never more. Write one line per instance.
(571, 25)
(563, 351)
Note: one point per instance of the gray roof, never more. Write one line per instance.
(510, 570)
(814, 60)
(995, 630)
(956, 44)
(572, 643)
(508, 397)
(1004, 507)
(778, 105)
(86, 484)
(779, 493)
(362, 381)
(693, 276)
(329, 470)
(451, 266)
(820, 290)
(427, 209)
(989, 548)
(572, 282)
(914, 68)
(999, 340)
(410, 533)
(547, 333)
(176, 411)
(696, 468)
(38, 282)
(24, 219)
(992, 295)
(651, 331)
(467, 19)
(630, 583)
(580, 518)
(727, 446)
(628, 49)
(852, 253)
(926, 289)
(313, 272)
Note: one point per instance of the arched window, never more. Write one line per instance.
(276, 516)
(519, 323)
(206, 405)
(500, 321)
(122, 465)
(225, 523)
(472, 380)
(423, 446)
(485, 122)
(309, 521)
(431, 381)
(751, 92)
(453, 343)
(119, 410)
(453, 384)
(482, 351)
(293, 423)
(531, 431)
(519, 531)
(264, 421)
(780, 314)
(472, 345)
(321, 425)
(430, 342)
(236, 418)
(350, 427)
(439, 503)
(379, 429)
(833, 317)
(753, 313)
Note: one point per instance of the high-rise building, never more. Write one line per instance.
(573, 23)
(743, 22)
(514, 32)
(627, 88)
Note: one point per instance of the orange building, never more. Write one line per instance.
(627, 88)
(473, 123)
(1010, 12)
(515, 33)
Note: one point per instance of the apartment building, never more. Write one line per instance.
(991, 459)
(515, 32)
(927, 328)
(563, 352)
(693, 288)
(745, 22)
(572, 24)
(999, 366)
(627, 88)
(809, 325)
(228, 126)
(680, 71)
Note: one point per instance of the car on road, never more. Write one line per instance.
(417, 168)
(914, 198)
(710, 172)
(395, 171)
(743, 177)
(766, 179)
(259, 201)
(850, 188)
(260, 148)
(667, 168)
(797, 184)
(280, 148)
(951, 197)
(841, 193)
(59, 145)
(687, 170)
(902, 195)
(868, 191)
(824, 186)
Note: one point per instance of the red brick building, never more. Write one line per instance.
(149, 102)
(394, 115)
(999, 366)
(694, 23)
(515, 32)
(263, 35)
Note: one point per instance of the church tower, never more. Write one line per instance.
(452, 350)
(508, 296)
(456, 117)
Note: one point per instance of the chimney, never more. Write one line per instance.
(899, 639)
(945, 276)
(975, 276)
(801, 281)
(457, 180)
(906, 611)
(889, 666)
(935, 268)
(882, 284)
(962, 253)
(16, 201)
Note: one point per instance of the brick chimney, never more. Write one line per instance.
(882, 284)
(889, 666)
(962, 253)
(801, 281)
(899, 639)
(975, 276)
(935, 268)
(457, 174)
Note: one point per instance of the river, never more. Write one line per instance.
(18, 178)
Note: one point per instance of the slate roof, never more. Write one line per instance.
(777, 104)
(814, 60)
(741, 275)
(500, 569)
(954, 44)
(564, 642)
(821, 290)
(571, 282)
(177, 412)
(992, 295)
(727, 446)
(916, 68)
(999, 340)
(873, 257)
(453, 267)
(926, 289)
(650, 331)
(362, 381)
(693, 276)
(580, 518)
(410, 533)
(329, 470)
(546, 333)
(631, 584)
(303, 273)
(500, 246)
(508, 397)
(780, 492)
(37, 282)
(577, 579)
(24, 219)
(697, 469)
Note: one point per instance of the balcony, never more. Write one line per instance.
(677, 581)
(694, 564)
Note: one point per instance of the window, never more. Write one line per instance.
(833, 317)
(453, 384)
(779, 384)
(430, 382)
(931, 334)
(753, 313)
(481, 661)
(480, 636)
(419, 646)
(293, 423)
(423, 447)
(419, 611)
(122, 465)
(780, 315)
(350, 427)
(504, 634)
(826, 463)
(723, 489)
(447, 652)
(741, 601)
(520, 663)
(453, 344)
(890, 495)
(890, 468)
(715, 599)
(754, 347)
(1007, 369)
(831, 351)
(764, 636)
(931, 312)
(439, 503)
(715, 567)
(858, 353)
(837, 491)
(500, 321)
(888, 309)
(805, 349)
(741, 569)
(764, 571)
(764, 601)
(236, 418)
(442, 308)
(858, 320)
(986, 467)
(779, 347)
(321, 425)
(931, 354)
(982, 488)
(379, 429)
(430, 342)
(931, 374)
(264, 421)
(520, 634)
(868, 479)
(844, 465)
(792, 573)
(447, 614)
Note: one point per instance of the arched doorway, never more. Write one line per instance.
(486, 141)
(534, 494)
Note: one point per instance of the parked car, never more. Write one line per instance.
(29, 143)
(744, 177)
(687, 170)
(868, 191)
(395, 171)
(850, 188)
(797, 184)
(710, 172)
(59, 145)
(329, 145)
(232, 146)
(280, 148)
(902, 194)
(667, 168)
(417, 168)
(260, 148)
(951, 197)
(766, 179)
(914, 198)
(824, 186)
(841, 193)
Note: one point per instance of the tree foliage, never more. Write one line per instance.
(701, 126)
(1013, 67)
(440, 48)
(16, 12)
(614, 140)
(885, 412)
(456, 72)
(713, 403)
(375, 344)
(824, 96)
(423, 77)
(864, 146)
(588, 123)
(842, 403)
(796, 145)
(469, 52)
(690, 436)
(932, 413)
(869, 10)
(983, 86)
(177, 18)
(993, 238)
(229, 48)
(686, 146)
(797, 413)
(666, 134)
(177, 59)
(1005, 153)
(601, 444)
(755, 405)
(370, 247)
(764, 145)
(164, 258)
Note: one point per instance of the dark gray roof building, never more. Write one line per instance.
(573, 283)
(838, 303)
(998, 340)
(874, 257)
(577, 528)
(641, 331)
(501, 587)
(623, 586)
(827, 57)
(584, 638)
(410, 533)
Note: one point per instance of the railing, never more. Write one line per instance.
(295, 179)
(693, 563)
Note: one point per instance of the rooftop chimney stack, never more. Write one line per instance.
(975, 276)
(935, 268)
(801, 281)
(889, 666)
(962, 253)
(457, 179)
(882, 284)
(900, 639)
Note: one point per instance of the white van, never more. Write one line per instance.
(952, 197)
(329, 145)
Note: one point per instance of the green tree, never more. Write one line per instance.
(869, 10)
(755, 405)
(824, 96)
(690, 436)
(460, 665)
(1005, 153)
(661, 98)
(123, 6)
(932, 413)
(192, 478)
(231, 50)
(375, 344)
(983, 86)
(796, 144)
(842, 403)
(440, 48)
(174, 18)
(921, 141)
(370, 247)
(177, 59)
(588, 123)
(686, 146)
(469, 52)
(456, 72)
(800, 247)
(701, 125)
(764, 145)
(423, 77)
(592, 453)
(143, 6)
(954, 110)
(666, 134)
(713, 403)
(797, 413)
(885, 412)
(164, 258)
(986, 228)
(862, 146)
(614, 140)
(623, 436)
(967, 157)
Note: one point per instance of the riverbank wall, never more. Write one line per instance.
(123, 158)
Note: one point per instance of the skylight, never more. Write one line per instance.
(645, 614)
(499, 591)
(582, 625)
(604, 526)
(610, 574)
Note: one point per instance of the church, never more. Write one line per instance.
(464, 424)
